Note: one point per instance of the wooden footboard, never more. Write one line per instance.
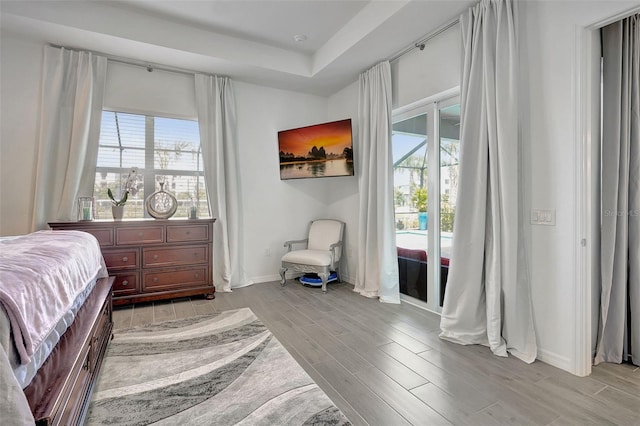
(61, 391)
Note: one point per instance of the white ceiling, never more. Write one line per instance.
(249, 40)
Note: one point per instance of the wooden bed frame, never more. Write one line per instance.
(61, 391)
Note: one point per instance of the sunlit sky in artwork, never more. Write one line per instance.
(334, 137)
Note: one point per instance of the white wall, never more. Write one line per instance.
(19, 99)
(548, 69)
(275, 210)
(419, 74)
(133, 89)
(548, 49)
(343, 200)
(548, 46)
(414, 76)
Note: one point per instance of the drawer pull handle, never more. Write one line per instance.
(155, 279)
(196, 275)
(140, 234)
(125, 282)
(188, 232)
(155, 257)
(125, 259)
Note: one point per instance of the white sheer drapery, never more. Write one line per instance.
(487, 300)
(377, 274)
(217, 121)
(619, 327)
(70, 115)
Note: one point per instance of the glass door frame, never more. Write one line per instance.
(430, 106)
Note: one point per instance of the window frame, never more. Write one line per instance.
(149, 171)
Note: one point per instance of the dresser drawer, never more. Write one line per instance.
(103, 235)
(153, 259)
(99, 335)
(121, 259)
(177, 234)
(125, 283)
(174, 256)
(140, 235)
(175, 279)
(72, 412)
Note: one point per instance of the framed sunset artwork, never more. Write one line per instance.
(320, 150)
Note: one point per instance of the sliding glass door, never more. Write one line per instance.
(410, 141)
(449, 169)
(425, 151)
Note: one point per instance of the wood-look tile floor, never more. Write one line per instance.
(384, 364)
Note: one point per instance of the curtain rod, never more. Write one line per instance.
(128, 61)
(421, 43)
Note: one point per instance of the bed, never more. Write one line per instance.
(55, 323)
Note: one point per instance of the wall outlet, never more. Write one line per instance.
(267, 252)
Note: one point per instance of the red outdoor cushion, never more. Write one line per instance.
(420, 255)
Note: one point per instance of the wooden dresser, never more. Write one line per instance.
(154, 259)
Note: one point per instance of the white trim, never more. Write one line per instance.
(398, 113)
(265, 278)
(555, 360)
(434, 199)
(417, 303)
(611, 19)
(141, 111)
(583, 124)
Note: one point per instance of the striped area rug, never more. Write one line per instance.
(225, 369)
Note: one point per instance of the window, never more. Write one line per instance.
(162, 149)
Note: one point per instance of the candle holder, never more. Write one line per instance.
(86, 209)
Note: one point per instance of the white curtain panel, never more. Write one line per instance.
(217, 121)
(377, 274)
(70, 114)
(619, 327)
(487, 300)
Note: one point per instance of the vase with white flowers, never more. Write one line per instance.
(130, 186)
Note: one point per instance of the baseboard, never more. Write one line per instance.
(417, 303)
(290, 276)
(266, 278)
(347, 279)
(556, 360)
(275, 277)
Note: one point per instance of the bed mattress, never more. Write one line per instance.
(25, 373)
(45, 277)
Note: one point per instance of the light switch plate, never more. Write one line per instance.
(545, 217)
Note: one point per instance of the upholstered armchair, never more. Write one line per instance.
(321, 254)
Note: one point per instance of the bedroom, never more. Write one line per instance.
(548, 49)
